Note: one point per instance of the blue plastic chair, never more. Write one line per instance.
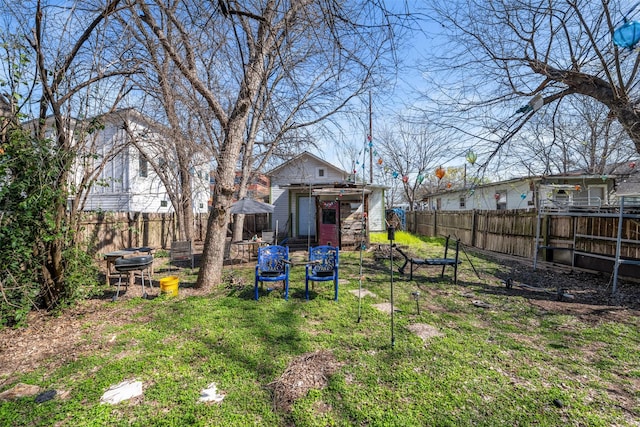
(322, 267)
(272, 266)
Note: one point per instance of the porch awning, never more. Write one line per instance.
(339, 191)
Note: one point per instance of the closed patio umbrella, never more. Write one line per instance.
(249, 206)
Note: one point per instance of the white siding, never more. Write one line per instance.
(108, 202)
(517, 195)
(376, 210)
(291, 181)
(279, 198)
(119, 185)
(305, 170)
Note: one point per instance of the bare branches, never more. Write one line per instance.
(500, 51)
(185, 66)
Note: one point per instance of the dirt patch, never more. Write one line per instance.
(58, 340)
(363, 293)
(425, 331)
(384, 307)
(588, 292)
(18, 391)
(306, 372)
(552, 287)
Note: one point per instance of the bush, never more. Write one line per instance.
(30, 194)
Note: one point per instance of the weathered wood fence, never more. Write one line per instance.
(577, 239)
(110, 231)
(584, 241)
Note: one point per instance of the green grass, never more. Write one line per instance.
(407, 239)
(503, 366)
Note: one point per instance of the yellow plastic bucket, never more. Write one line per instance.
(169, 285)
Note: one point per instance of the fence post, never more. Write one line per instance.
(435, 223)
(474, 223)
(415, 221)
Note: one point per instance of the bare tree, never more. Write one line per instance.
(169, 99)
(70, 57)
(409, 153)
(224, 53)
(501, 54)
(575, 134)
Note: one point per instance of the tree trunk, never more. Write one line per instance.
(54, 288)
(186, 206)
(210, 273)
(238, 223)
(629, 118)
(238, 227)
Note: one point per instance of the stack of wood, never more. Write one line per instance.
(351, 231)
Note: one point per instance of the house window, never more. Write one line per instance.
(597, 195)
(164, 203)
(320, 173)
(463, 202)
(501, 200)
(562, 197)
(143, 167)
(329, 216)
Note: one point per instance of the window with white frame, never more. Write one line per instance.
(597, 195)
(501, 200)
(143, 167)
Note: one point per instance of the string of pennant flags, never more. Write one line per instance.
(440, 172)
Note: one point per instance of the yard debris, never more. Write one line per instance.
(559, 292)
(381, 252)
(46, 396)
(306, 372)
(18, 391)
(124, 391)
(481, 304)
(210, 394)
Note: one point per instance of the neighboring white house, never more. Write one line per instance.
(127, 182)
(511, 194)
(318, 201)
(554, 191)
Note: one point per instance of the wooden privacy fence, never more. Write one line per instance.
(513, 232)
(110, 231)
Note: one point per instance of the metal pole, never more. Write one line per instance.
(363, 232)
(618, 247)
(309, 222)
(370, 143)
(391, 236)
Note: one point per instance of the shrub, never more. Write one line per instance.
(29, 196)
